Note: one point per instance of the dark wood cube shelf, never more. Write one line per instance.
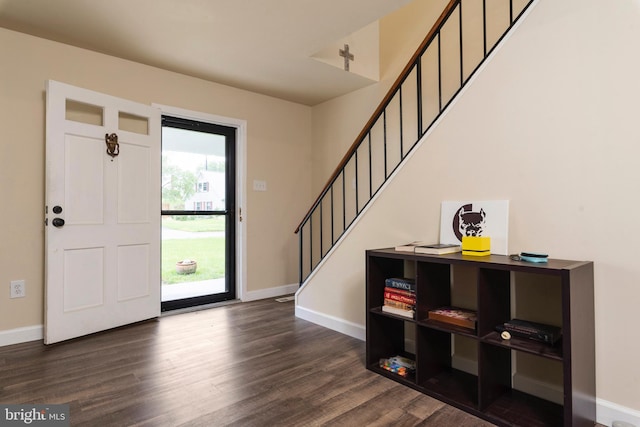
(502, 288)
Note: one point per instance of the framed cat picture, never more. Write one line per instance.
(476, 218)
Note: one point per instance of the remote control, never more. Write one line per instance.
(533, 255)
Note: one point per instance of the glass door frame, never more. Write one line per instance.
(230, 135)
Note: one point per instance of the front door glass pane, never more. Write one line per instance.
(193, 234)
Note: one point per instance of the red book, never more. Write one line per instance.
(400, 298)
(400, 291)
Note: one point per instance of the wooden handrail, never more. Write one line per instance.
(383, 104)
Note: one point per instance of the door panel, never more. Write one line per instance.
(103, 262)
(133, 282)
(133, 193)
(84, 287)
(84, 180)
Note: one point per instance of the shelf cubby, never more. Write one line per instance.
(390, 340)
(436, 371)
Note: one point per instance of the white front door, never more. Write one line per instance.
(102, 213)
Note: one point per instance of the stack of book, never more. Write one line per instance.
(400, 297)
(454, 316)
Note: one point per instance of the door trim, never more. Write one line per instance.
(241, 194)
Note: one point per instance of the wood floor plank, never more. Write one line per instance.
(249, 364)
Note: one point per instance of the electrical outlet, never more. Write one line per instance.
(18, 289)
(622, 424)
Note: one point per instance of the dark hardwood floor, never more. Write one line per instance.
(249, 364)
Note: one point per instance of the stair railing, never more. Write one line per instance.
(461, 39)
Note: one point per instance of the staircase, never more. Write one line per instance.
(462, 38)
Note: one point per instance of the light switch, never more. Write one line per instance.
(259, 185)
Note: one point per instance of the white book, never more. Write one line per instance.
(438, 249)
(397, 311)
(409, 247)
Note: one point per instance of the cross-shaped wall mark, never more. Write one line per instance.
(346, 55)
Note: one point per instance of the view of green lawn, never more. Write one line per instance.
(196, 224)
(208, 252)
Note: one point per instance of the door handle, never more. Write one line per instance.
(57, 222)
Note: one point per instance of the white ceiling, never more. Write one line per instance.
(264, 46)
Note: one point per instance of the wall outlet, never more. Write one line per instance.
(18, 289)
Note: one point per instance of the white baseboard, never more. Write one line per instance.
(608, 412)
(330, 322)
(270, 292)
(20, 335)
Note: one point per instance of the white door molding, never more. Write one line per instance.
(241, 195)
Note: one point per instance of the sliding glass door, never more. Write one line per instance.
(198, 213)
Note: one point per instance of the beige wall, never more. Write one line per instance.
(551, 125)
(278, 151)
(339, 121)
